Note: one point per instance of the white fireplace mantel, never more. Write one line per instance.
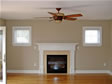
(57, 46)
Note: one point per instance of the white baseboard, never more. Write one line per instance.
(23, 71)
(77, 71)
(92, 71)
(110, 72)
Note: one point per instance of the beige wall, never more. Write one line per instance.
(111, 46)
(110, 60)
(88, 58)
(2, 22)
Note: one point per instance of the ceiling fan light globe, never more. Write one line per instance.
(58, 21)
(60, 14)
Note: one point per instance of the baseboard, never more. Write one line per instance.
(23, 71)
(110, 73)
(77, 71)
(92, 71)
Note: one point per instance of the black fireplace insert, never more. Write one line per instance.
(56, 63)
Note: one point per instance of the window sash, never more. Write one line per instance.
(99, 38)
(20, 28)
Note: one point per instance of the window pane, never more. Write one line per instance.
(91, 36)
(22, 36)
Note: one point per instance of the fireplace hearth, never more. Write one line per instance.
(56, 63)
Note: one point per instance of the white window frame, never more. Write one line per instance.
(99, 28)
(21, 28)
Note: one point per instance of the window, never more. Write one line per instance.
(21, 35)
(92, 36)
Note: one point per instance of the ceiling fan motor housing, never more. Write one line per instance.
(59, 16)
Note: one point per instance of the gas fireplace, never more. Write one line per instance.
(56, 63)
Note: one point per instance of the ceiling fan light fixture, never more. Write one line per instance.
(58, 17)
(58, 21)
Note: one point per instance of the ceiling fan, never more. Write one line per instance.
(58, 17)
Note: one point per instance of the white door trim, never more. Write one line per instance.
(3, 55)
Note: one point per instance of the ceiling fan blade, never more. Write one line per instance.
(73, 15)
(54, 14)
(72, 19)
(43, 17)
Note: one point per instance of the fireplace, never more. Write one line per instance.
(56, 63)
(64, 54)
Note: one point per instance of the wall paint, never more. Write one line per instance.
(110, 60)
(2, 22)
(88, 58)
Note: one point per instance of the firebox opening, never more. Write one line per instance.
(56, 63)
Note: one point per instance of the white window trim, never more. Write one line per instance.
(92, 28)
(21, 27)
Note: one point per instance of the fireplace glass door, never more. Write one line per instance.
(56, 63)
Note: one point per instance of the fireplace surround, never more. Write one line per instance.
(57, 49)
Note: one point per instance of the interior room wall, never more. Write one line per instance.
(110, 60)
(87, 58)
(2, 22)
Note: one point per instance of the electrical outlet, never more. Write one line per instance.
(35, 64)
(78, 48)
(105, 64)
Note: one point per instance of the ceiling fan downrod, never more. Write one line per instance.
(58, 9)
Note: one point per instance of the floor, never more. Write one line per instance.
(59, 79)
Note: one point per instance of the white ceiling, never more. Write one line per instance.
(29, 9)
